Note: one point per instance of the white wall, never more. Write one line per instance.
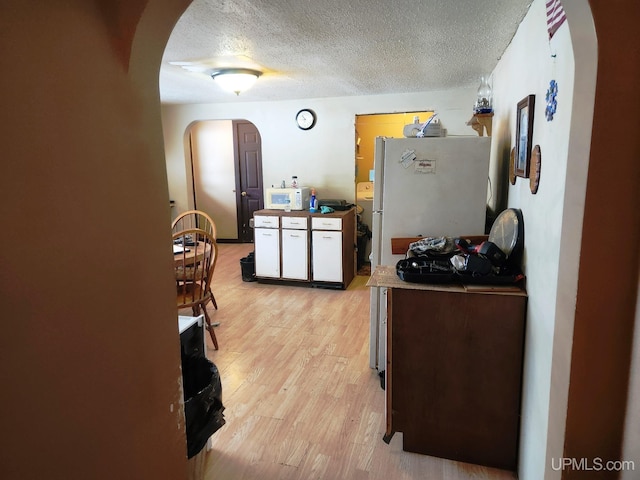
(552, 218)
(526, 68)
(323, 157)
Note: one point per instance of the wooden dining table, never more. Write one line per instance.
(193, 254)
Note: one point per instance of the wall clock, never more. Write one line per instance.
(306, 119)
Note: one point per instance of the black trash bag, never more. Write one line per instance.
(202, 401)
(248, 267)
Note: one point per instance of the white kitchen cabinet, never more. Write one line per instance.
(267, 245)
(286, 249)
(326, 251)
(295, 248)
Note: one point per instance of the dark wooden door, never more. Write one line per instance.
(249, 194)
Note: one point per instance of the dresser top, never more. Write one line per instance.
(385, 276)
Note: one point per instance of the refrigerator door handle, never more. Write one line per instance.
(378, 172)
(376, 239)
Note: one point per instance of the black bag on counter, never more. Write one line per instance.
(493, 262)
(424, 269)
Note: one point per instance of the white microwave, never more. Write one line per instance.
(295, 198)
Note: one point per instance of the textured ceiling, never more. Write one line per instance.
(334, 48)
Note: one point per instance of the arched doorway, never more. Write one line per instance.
(226, 174)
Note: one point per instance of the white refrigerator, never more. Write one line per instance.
(430, 187)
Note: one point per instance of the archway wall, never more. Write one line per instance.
(598, 415)
(552, 217)
(90, 348)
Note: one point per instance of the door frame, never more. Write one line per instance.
(242, 236)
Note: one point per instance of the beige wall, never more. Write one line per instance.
(89, 347)
(214, 177)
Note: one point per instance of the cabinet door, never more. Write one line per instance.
(326, 251)
(267, 248)
(295, 256)
(455, 374)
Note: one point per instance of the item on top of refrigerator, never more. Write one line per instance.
(431, 128)
(411, 130)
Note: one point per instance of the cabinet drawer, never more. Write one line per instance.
(294, 223)
(266, 221)
(320, 223)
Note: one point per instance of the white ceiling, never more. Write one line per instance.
(335, 48)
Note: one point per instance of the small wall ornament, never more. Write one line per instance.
(535, 168)
(552, 103)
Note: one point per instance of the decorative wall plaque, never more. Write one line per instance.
(534, 169)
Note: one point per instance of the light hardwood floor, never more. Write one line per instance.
(301, 401)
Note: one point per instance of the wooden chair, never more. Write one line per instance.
(196, 219)
(194, 268)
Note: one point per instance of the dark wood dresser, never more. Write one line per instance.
(454, 369)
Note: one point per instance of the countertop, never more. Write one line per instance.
(304, 213)
(385, 276)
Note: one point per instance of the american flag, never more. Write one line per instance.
(555, 16)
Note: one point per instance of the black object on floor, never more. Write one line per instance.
(248, 266)
(202, 401)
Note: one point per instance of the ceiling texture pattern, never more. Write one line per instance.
(335, 48)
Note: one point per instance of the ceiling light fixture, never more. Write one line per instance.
(236, 80)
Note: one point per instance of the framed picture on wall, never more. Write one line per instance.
(524, 134)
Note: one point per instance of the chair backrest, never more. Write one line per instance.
(194, 219)
(194, 265)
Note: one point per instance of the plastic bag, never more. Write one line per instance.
(202, 401)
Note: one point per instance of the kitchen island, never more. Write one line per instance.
(454, 368)
(304, 248)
